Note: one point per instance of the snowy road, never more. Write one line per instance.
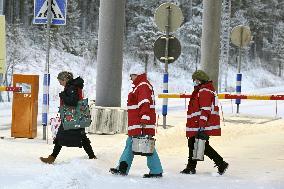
(252, 145)
(251, 142)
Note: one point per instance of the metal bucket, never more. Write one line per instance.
(143, 145)
(198, 151)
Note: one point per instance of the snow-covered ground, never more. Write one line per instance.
(252, 143)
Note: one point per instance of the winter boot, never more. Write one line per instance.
(50, 159)
(222, 167)
(121, 169)
(93, 157)
(189, 170)
(153, 175)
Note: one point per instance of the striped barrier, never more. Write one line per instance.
(14, 89)
(226, 96)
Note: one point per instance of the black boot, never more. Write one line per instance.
(218, 160)
(153, 175)
(191, 164)
(189, 170)
(222, 167)
(86, 143)
(121, 169)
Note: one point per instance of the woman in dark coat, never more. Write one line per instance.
(71, 138)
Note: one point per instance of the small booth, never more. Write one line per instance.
(25, 106)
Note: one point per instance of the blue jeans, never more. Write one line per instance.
(153, 161)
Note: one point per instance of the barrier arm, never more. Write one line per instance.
(226, 96)
(14, 89)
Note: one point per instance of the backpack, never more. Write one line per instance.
(76, 117)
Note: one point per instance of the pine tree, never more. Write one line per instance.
(68, 37)
(15, 44)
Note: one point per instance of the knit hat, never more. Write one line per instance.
(137, 69)
(66, 76)
(200, 75)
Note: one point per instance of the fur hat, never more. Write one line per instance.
(137, 69)
(65, 76)
(200, 75)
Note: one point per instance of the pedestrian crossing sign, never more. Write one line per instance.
(58, 11)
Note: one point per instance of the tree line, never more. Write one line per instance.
(79, 35)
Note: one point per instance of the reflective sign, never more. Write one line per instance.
(168, 14)
(174, 49)
(241, 36)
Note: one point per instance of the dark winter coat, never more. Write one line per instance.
(70, 96)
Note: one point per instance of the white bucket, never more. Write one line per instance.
(143, 145)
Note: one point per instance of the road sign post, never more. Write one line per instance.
(168, 18)
(48, 12)
(240, 36)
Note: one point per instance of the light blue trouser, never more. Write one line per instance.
(153, 161)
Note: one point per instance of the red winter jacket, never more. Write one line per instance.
(141, 107)
(203, 111)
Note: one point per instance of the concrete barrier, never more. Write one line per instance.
(108, 120)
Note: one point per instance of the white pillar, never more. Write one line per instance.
(1, 7)
(210, 40)
(109, 66)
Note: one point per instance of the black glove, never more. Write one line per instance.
(149, 136)
(201, 135)
(61, 94)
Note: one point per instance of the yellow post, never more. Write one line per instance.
(2, 44)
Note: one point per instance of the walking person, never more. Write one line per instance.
(203, 116)
(141, 116)
(70, 96)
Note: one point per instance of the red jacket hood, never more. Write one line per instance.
(139, 79)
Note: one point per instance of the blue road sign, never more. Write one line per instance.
(58, 12)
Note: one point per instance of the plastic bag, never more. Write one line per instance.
(54, 125)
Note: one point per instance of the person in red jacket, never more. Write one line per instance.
(203, 116)
(141, 121)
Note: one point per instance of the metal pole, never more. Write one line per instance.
(239, 60)
(276, 108)
(239, 75)
(185, 101)
(46, 77)
(166, 74)
(196, 60)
